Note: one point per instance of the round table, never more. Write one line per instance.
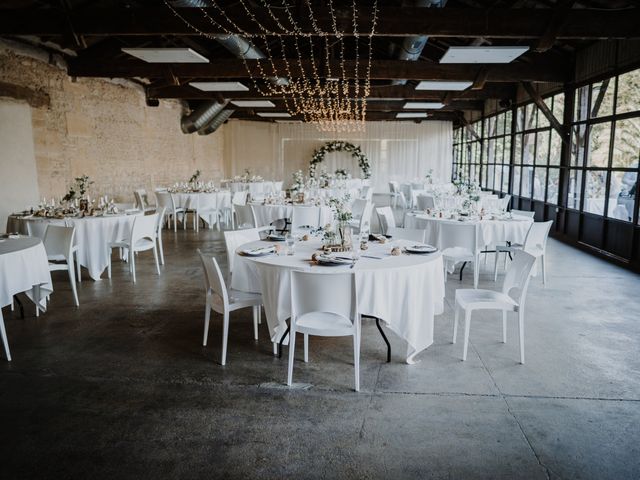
(23, 268)
(490, 232)
(266, 214)
(189, 200)
(93, 234)
(404, 291)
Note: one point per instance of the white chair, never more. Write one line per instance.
(245, 217)
(425, 202)
(394, 189)
(364, 225)
(510, 299)
(366, 193)
(523, 213)
(142, 237)
(58, 243)
(385, 219)
(159, 222)
(312, 314)
(142, 200)
(417, 186)
(304, 218)
(411, 234)
(76, 252)
(504, 202)
(535, 244)
(166, 200)
(234, 238)
(239, 198)
(208, 210)
(224, 301)
(459, 243)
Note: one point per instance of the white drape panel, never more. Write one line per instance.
(396, 150)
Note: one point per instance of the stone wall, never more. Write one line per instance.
(104, 129)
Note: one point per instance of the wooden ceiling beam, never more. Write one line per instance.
(399, 22)
(374, 106)
(380, 70)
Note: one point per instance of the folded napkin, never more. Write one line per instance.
(259, 250)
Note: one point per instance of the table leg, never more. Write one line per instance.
(284, 335)
(384, 337)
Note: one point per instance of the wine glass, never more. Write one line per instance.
(290, 242)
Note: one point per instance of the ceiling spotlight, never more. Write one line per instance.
(482, 54)
(423, 105)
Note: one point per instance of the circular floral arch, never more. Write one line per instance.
(340, 146)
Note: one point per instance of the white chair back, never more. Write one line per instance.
(426, 202)
(305, 217)
(523, 213)
(394, 187)
(505, 201)
(144, 227)
(245, 216)
(163, 199)
(36, 229)
(239, 198)
(310, 291)
(537, 236)
(213, 278)
(234, 238)
(460, 235)
(516, 280)
(141, 199)
(411, 234)
(417, 186)
(366, 193)
(405, 188)
(386, 218)
(58, 241)
(357, 207)
(160, 213)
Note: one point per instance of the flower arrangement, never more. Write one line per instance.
(429, 176)
(341, 174)
(340, 208)
(298, 181)
(341, 146)
(80, 186)
(194, 178)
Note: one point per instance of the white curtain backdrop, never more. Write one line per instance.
(396, 150)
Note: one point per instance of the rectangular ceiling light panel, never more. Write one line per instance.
(422, 105)
(443, 85)
(253, 103)
(412, 115)
(273, 114)
(220, 86)
(482, 54)
(166, 55)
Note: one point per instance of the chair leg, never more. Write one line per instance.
(521, 332)
(495, 266)
(356, 355)
(275, 348)
(456, 317)
(175, 222)
(161, 250)
(544, 271)
(467, 326)
(476, 271)
(306, 348)
(132, 264)
(109, 262)
(155, 257)
(5, 342)
(72, 280)
(225, 337)
(255, 322)
(36, 297)
(207, 317)
(504, 326)
(259, 314)
(78, 272)
(292, 348)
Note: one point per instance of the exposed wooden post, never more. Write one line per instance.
(537, 99)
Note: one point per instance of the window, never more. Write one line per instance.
(467, 152)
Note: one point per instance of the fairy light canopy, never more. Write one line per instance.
(332, 100)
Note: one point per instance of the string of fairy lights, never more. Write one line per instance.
(333, 99)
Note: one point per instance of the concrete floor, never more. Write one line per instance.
(122, 388)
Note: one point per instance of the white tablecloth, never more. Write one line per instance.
(267, 214)
(23, 264)
(490, 232)
(189, 200)
(93, 234)
(256, 189)
(405, 291)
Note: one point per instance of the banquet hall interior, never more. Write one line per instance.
(320, 239)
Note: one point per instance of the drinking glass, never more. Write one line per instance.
(290, 242)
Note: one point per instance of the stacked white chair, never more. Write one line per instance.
(58, 243)
(535, 244)
(208, 210)
(303, 218)
(311, 314)
(411, 234)
(385, 219)
(426, 202)
(142, 238)
(510, 299)
(459, 243)
(224, 301)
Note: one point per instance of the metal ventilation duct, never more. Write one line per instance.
(201, 116)
(412, 46)
(214, 124)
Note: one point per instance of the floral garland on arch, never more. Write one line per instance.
(340, 146)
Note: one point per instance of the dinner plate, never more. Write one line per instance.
(258, 252)
(333, 261)
(421, 249)
(274, 237)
